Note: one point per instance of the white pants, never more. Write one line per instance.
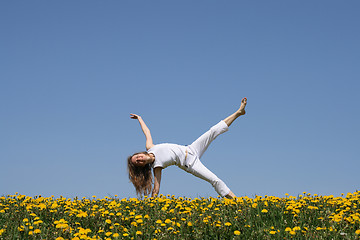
(197, 149)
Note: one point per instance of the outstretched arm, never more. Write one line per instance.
(157, 180)
(149, 142)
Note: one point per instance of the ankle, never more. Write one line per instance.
(239, 112)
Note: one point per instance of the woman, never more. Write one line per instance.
(160, 156)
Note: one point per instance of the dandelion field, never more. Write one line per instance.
(166, 217)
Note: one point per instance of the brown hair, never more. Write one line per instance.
(141, 177)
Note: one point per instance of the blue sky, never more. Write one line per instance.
(73, 71)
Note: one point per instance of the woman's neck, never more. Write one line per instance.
(152, 158)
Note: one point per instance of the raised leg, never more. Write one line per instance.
(200, 145)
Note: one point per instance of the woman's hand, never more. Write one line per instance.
(149, 143)
(134, 116)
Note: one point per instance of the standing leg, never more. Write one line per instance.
(200, 171)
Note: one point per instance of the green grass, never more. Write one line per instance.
(303, 217)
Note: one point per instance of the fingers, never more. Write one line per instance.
(134, 116)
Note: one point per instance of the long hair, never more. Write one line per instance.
(141, 177)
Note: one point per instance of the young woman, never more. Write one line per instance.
(160, 156)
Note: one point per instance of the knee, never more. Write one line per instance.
(219, 128)
(216, 182)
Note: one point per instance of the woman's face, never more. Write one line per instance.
(140, 159)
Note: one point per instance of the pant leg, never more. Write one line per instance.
(199, 170)
(200, 145)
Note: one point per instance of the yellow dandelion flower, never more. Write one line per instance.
(62, 225)
(357, 232)
(116, 235)
(125, 234)
(264, 211)
(37, 231)
(313, 208)
(108, 221)
(138, 233)
(82, 214)
(320, 228)
(227, 224)
(296, 229)
(84, 231)
(108, 234)
(38, 222)
(272, 232)
(189, 224)
(237, 232)
(292, 232)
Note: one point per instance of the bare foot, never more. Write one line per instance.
(241, 110)
(230, 195)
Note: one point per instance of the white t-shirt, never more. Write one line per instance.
(167, 154)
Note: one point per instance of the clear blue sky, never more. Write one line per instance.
(73, 71)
